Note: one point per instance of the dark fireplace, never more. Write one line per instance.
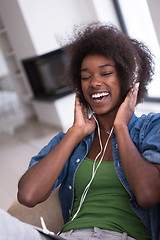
(45, 74)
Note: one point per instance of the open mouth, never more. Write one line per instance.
(99, 97)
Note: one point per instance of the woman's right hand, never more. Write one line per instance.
(81, 119)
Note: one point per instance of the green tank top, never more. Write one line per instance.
(106, 205)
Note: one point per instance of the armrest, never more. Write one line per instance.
(50, 210)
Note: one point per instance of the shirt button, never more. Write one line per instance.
(70, 187)
(116, 145)
(69, 211)
(78, 160)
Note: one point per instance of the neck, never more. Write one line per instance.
(105, 122)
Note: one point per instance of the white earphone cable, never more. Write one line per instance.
(94, 170)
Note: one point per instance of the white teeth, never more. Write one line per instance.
(98, 95)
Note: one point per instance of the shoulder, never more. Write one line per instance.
(46, 149)
(145, 123)
(53, 142)
(57, 138)
(145, 133)
(145, 129)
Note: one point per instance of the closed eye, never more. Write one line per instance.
(106, 74)
(85, 78)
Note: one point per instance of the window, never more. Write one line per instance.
(136, 21)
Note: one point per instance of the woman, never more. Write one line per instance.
(108, 164)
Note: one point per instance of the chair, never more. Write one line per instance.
(50, 210)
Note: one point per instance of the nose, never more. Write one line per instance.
(95, 82)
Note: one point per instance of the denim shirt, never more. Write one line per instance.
(145, 133)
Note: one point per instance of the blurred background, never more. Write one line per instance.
(34, 102)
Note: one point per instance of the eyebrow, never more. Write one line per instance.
(101, 66)
(106, 65)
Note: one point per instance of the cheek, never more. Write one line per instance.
(117, 89)
(118, 97)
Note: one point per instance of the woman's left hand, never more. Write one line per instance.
(126, 109)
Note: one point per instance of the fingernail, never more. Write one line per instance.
(137, 85)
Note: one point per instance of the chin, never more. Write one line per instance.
(107, 111)
(100, 111)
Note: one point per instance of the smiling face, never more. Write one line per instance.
(100, 84)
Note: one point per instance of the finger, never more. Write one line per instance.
(77, 100)
(80, 109)
(83, 107)
(137, 86)
(79, 103)
(134, 90)
(134, 93)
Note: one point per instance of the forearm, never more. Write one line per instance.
(142, 176)
(38, 181)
